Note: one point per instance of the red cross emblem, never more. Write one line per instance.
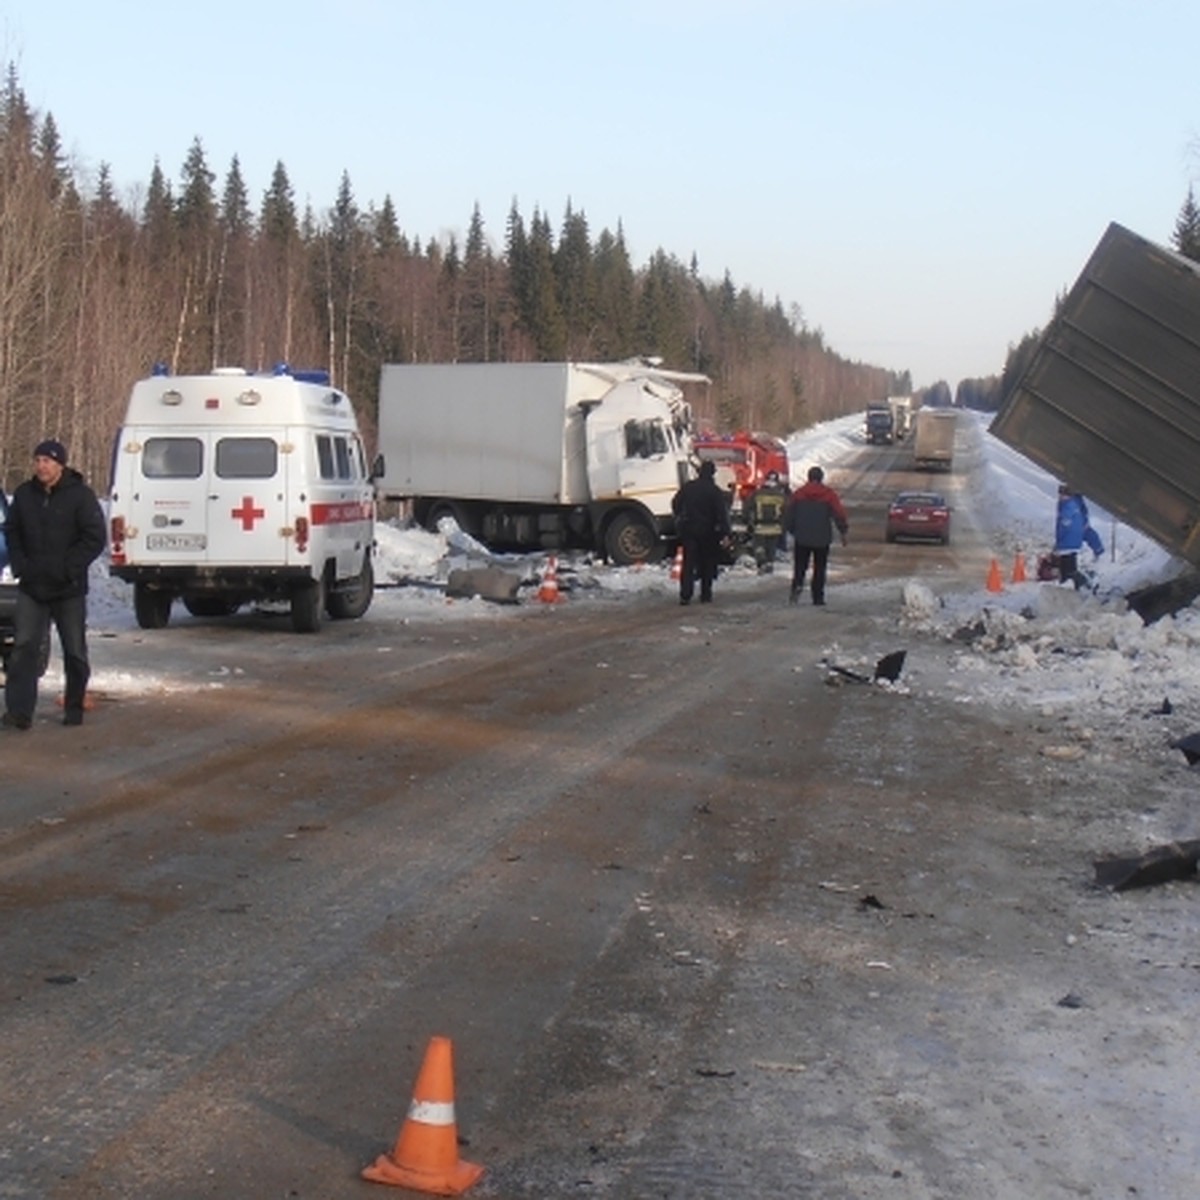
(248, 514)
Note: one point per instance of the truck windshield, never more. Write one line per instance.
(644, 439)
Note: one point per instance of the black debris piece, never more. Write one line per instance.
(1164, 599)
(870, 901)
(1190, 745)
(1161, 864)
(849, 674)
(1071, 1000)
(888, 667)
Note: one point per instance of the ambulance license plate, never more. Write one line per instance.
(175, 541)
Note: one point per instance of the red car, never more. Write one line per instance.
(924, 515)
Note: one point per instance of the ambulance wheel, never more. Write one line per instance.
(352, 599)
(151, 606)
(307, 602)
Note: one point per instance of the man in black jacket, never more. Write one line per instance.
(55, 531)
(701, 521)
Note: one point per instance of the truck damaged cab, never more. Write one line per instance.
(539, 456)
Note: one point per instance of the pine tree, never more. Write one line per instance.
(278, 217)
(544, 318)
(385, 227)
(614, 296)
(575, 279)
(233, 291)
(477, 309)
(274, 317)
(1186, 238)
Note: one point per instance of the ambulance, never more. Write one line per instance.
(233, 488)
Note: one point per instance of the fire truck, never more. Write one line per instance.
(743, 461)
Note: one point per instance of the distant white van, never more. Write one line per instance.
(234, 487)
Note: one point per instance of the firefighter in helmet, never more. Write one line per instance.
(766, 521)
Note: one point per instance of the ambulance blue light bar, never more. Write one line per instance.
(321, 377)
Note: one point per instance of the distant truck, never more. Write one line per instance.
(879, 425)
(901, 407)
(539, 456)
(933, 439)
(235, 487)
(1110, 400)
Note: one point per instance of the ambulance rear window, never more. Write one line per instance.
(172, 458)
(246, 458)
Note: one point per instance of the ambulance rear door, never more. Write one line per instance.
(213, 497)
(248, 518)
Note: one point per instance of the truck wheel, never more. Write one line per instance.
(307, 602)
(445, 508)
(630, 540)
(353, 598)
(151, 606)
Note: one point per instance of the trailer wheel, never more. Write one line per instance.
(629, 539)
(151, 606)
(308, 599)
(447, 508)
(353, 598)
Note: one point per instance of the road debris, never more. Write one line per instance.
(1160, 864)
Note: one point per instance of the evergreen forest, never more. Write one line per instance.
(198, 274)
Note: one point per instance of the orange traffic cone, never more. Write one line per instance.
(993, 578)
(1018, 575)
(677, 565)
(548, 593)
(425, 1157)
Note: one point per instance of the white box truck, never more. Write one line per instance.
(539, 456)
(933, 439)
(232, 487)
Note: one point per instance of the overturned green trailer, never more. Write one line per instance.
(1110, 401)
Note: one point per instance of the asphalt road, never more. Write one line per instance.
(700, 919)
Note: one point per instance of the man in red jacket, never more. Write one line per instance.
(813, 513)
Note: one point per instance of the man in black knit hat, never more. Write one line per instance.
(55, 531)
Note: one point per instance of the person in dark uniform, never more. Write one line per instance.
(702, 523)
(55, 530)
(766, 521)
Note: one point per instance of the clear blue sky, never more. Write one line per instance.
(920, 177)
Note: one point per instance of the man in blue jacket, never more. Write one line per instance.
(55, 531)
(1072, 529)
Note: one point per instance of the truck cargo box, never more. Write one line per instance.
(933, 439)
(1110, 401)
(481, 430)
